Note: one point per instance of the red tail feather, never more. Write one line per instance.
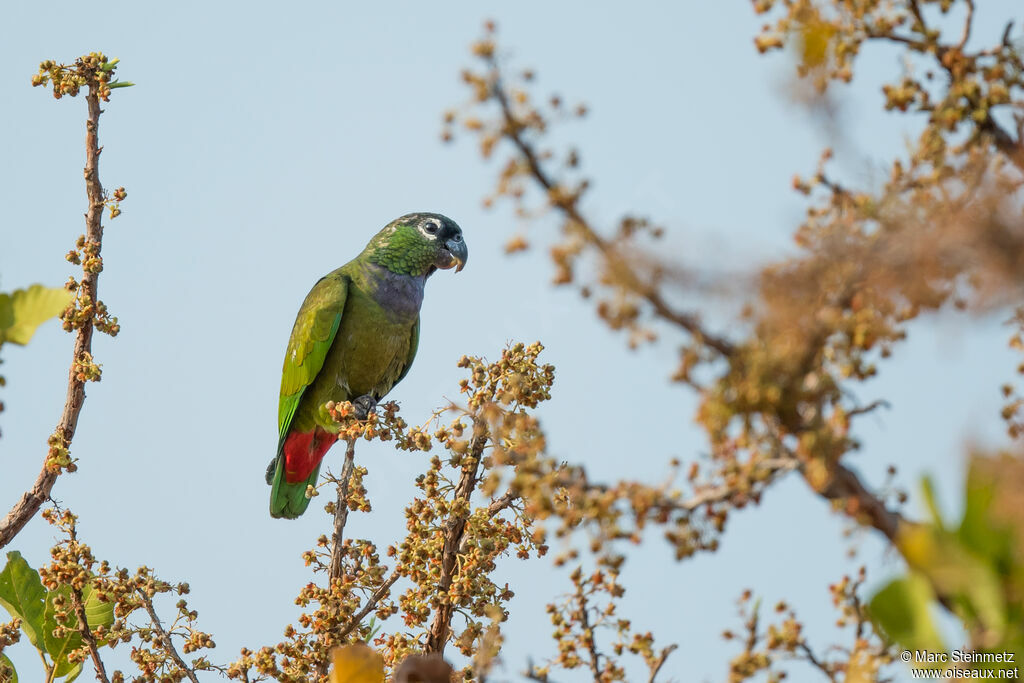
(303, 452)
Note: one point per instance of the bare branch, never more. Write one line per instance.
(660, 662)
(968, 23)
(815, 662)
(371, 604)
(915, 8)
(862, 410)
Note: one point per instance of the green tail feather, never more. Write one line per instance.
(289, 500)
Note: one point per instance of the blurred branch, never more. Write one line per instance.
(583, 612)
(968, 24)
(660, 662)
(513, 128)
(771, 469)
(502, 503)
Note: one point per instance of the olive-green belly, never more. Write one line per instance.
(369, 353)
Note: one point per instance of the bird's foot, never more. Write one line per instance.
(271, 469)
(364, 405)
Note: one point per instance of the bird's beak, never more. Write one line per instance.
(459, 253)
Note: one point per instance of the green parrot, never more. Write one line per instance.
(354, 339)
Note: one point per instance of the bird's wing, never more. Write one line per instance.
(413, 343)
(315, 327)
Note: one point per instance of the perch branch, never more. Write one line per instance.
(30, 502)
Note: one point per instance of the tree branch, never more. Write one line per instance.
(30, 502)
(165, 638)
(87, 636)
(341, 513)
(968, 23)
(500, 504)
(720, 494)
(588, 633)
(1004, 142)
(513, 131)
(661, 661)
(370, 605)
(440, 626)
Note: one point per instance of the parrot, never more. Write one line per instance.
(354, 339)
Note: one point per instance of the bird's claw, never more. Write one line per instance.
(271, 470)
(363, 406)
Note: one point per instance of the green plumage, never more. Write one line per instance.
(355, 336)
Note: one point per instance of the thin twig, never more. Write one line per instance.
(30, 502)
(661, 661)
(844, 487)
(968, 23)
(815, 662)
(165, 638)
(370, 605)
(862, 410)
(718, 494)
(341, 513)
(588, 633)
(500, 504)
(87, 636)
(690, 323)
(916, 9)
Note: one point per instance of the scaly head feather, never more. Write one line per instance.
(418, 244)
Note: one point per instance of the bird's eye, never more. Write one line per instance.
(431, 228)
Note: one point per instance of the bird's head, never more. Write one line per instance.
(419, 244)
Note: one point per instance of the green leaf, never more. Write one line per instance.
(23, 310)
(928, 493)
(979, 530)
(59, 647)
(108, 66)
(74, 673)
(12, 677)
(120, 84)
(956, 573)
(96, 613)
(902, 609)
(22, 594)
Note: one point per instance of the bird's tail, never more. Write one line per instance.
(302, 453)
(288, 500)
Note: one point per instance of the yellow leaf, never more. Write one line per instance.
(356, 664)
(22, 311)
(816, 36)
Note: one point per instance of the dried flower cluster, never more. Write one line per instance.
(765, 648)
(776, 395)
(944, 228)
(86, 312)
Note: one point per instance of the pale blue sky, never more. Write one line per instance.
(263, 146)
